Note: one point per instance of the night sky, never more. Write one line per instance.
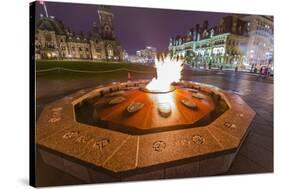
(135, 28)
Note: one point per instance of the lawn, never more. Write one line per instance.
(73, 67)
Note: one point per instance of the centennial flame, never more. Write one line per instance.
(168, 71)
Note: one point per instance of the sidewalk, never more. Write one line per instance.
(226, 69)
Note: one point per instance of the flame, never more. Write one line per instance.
(168, 71)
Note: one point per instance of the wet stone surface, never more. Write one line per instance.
(256, 154)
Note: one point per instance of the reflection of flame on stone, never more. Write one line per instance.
(165, 103)
(117, 100)
(189, 104)
(164, 109)
(168, 71)
(134, 107)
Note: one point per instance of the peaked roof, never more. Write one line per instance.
(50, 24)
(104, 8)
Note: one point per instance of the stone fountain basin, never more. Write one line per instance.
(96, 154)
(100, 111)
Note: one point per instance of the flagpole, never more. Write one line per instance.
(45, 8)
(42, 2)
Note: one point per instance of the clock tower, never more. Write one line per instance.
(106, 17)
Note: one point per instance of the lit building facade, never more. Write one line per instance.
(260, 44)
(54, 41)
(136, 59)
(148, 54)
(228, 44)
(125, 55)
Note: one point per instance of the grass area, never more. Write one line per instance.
(90, 66)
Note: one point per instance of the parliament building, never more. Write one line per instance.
(54, 41)
(242, 41)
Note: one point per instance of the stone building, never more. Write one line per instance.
(227, 44)
(54, 41)
(148, 54)
(260, 43)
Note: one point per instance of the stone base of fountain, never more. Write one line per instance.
(102, 153)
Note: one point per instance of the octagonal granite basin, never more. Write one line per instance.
(105, 144)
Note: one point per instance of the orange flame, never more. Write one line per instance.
(168, 71)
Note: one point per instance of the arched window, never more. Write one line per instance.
(109, 50)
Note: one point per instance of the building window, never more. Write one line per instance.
(98, 50)
(38, 46)
(109, 50)
(48, 37)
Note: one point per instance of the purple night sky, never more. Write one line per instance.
(135, 28)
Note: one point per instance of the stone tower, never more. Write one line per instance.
(106, 18)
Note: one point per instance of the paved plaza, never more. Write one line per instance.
(256, 153)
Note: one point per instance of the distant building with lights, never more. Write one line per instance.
(136, 59)
(260, 42)
(54, 41)
(227, 44)
(148, 54)
(125, 55)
